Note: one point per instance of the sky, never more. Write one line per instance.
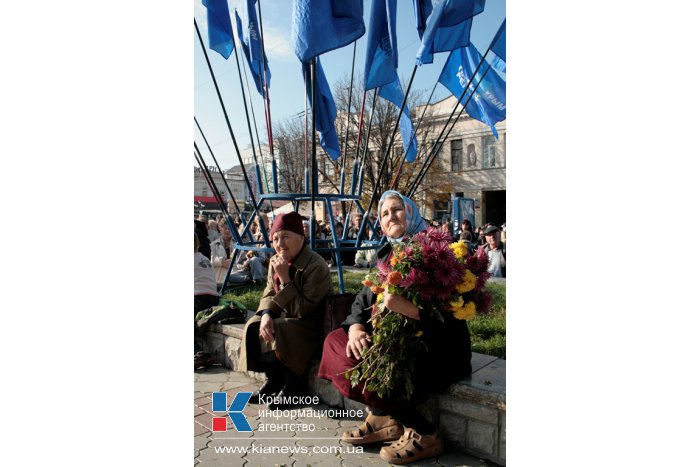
(287, 96)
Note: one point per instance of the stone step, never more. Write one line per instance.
(471, 413)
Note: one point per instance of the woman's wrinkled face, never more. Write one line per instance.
(393, 217)
(287, 244)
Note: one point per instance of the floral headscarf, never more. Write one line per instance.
(414, 221)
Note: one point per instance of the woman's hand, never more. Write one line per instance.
(358, 339)
(280, 264)
(401, 305)
(267, 328)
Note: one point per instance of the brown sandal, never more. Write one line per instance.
(375, 429)
(413, 447)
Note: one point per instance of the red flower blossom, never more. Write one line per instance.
(483, 302)
(481, 279)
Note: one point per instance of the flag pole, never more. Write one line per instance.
(227, 216)
(434, 152)
(230, 193)
(230, 130)
(347, 131)
(363, 159)
(388, 150)
(347, 125)
(250, 131)
(255, 126)
(361, 175)
(210, 181)
(394, 182)
(267, 98)
(312, 220)
(413, 185)
(353, 183)
(306, 134)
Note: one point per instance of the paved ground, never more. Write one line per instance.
(282, 448)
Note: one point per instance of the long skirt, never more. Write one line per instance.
(447, 360)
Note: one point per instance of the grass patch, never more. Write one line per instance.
(488, 331)
(494, 346)
(249, 295)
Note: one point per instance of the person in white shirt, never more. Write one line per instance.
(496, 251)
(213, 232)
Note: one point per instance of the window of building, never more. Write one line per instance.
(456, 155)
(490, 152)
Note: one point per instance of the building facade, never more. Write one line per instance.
(476, 163)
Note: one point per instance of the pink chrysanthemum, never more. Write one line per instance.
(439, 236)
(384, 269)
(421, 277)
(483, 302)
(410, 278)
(481, 279)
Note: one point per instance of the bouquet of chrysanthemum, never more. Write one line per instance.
(426, 271)
(470, 297)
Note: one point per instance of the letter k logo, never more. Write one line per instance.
(235, 410)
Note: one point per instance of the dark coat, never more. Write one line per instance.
(448, 358)
(297, 312)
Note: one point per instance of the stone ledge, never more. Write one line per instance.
(471, 413)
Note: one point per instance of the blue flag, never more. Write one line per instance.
(252, 44)
(448, 27)
(394, 94)
(323, 25)
(219, 25)
(325, 109)
(421, 11)
(498, 64)
(488, 104)
(381, 62)
(498, 44)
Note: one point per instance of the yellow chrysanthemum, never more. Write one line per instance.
(466, 312)
(380, 297)
(471, 310)
(457, 304)
(468, 282)
(461, 314)
(394, 260)
(459, 249)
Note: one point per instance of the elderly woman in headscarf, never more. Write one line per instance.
(288, 327)
(447, 360)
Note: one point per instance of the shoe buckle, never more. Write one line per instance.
(414, 434)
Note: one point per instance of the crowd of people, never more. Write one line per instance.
(252, 266)
(287, 329)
